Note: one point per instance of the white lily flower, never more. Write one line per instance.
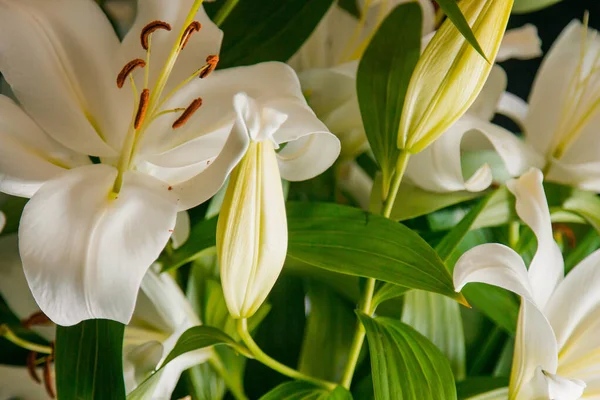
(252, 227)
(557, 348)
(559, 124)
(90, 231)
(161, 315)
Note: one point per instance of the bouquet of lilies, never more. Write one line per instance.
(299, 199)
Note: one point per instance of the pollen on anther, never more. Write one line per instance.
(187, 114)
(211, 64)
(193, 27)
(31, 368)
(128, 69)
(150, 29)
(142, 108)
(170, 188)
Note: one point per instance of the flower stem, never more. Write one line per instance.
(259, 355)
(9, 335)
(366, 304)
(224, 12)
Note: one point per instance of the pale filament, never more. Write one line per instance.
(148, 105)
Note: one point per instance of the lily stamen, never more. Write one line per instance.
(48, 381)
(36, 319)
(150, 29)
(187, 114)
(31, 366)
(128, 69)
(210, 66)
(142, 109)
(189, 31)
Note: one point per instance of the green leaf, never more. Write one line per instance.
(405, 364)
(197, 337)
(12, 208)
(438, 319)
(270, 31)
(526, 6)
(478, 385)
(89, 360)
(452, 11)
(298, 390)
(388, 291)
(382, 81)
(326, 335)
(453, 239)
(412, 201)
(354, 242)
(348, 241)
(585, 247)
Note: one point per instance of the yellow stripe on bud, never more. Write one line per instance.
(450, 73)
(252, 231)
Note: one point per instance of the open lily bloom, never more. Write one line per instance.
(253, 218)
(557, 348)
(559, 124)
(161, 315)
(107, 169)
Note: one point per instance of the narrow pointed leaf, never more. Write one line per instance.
(405, 364)
(383, 77)
(452, 11)
(526, 6)
(89, 360)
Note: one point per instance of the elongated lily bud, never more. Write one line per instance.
(252, 230)
(450, 73)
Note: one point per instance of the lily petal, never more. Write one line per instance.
(13, 285)
(584, 175)
(552, 111)
(61, 54)
(552, 386)
(206, 184)
(85, 253)
(535, 347)
(182, 229)
(438, 168)
(546, 270)
(513, 107)
(28, 156)
(267, 80)
(486, 103)
(520, 43)
(494, 264)
(201, 44)
(498, 394)
(573, 311)
(310, 148)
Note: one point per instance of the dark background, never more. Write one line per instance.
(550, 22)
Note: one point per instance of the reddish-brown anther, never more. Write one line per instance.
(128, 69)
(187, 114)
(193, 27)
(211, 65)
(150, 29)
(142, 108)
(31, 368)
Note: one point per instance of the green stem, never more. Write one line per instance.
(224, 12)
(366, 304)
(9, 335)
(259, 355)
(220, 369)
(513, 234)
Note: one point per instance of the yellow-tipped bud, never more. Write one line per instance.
(450, 73)
(252, 231)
